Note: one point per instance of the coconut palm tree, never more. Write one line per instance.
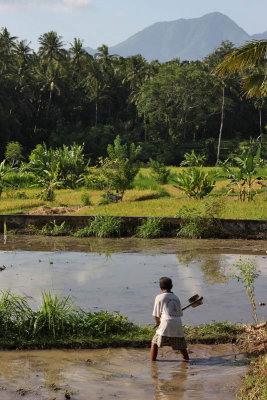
(51, 46)
(7, 42)
(251, 60)
(22, 49)
(77, 52)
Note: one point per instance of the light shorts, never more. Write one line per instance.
(177, 343)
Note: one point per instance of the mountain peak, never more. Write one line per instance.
(187, 39)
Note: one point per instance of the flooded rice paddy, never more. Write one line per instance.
(213, 372)
(122, 274)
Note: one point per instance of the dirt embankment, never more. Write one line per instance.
(46, 210)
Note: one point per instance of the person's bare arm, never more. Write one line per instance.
(157, 320)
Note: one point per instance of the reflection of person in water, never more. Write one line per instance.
(171, 384)
(167, 313)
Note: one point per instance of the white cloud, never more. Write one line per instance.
(64, 5)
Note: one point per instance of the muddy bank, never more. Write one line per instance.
(227, 228)
(213, 372)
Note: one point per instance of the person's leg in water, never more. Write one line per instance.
(153, 351)
(184, 354)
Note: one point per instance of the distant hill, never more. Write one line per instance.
(188, 39)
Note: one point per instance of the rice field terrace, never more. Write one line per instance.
(145, 198)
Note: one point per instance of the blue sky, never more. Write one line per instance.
(112, 21)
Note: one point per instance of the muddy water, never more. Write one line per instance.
(213, 372)
(123, 274)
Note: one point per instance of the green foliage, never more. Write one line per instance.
(200, 223)
(3, 172)
(19, 179)
(63, 165)
(254, 383)
(247, 273)
(13, 153)
(95, 179)
(15, 313)
(55, 316)
(193, 160)
(246, 173)
(102, 323)
(103, 226)
(52, 229)
(223, 331)
(195, 182)
(85, 199)
(159, 171)
(151, 228)
(120, 167)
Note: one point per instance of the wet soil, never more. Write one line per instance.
(213, 372)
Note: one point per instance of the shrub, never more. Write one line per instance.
(120, 167)
(13, 153)
(85, 199)
(193, 160)
(159, 171)
(195, 182)
(151, 228)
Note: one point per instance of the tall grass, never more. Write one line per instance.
(103, 226)
(150, 229)
(56, 317)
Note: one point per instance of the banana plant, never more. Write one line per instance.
(246, 175)
(195, 182)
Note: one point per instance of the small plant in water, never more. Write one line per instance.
(151, 228)
(247, 273)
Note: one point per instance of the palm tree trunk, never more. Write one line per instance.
(260, 117)
(221, 127)
(96, 113)
(49, 104)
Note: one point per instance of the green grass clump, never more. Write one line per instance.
(151, 228)
(58, 322)
(216, 332)
(255, 381)
(103, 226)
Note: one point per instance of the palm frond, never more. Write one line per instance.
(245, 57)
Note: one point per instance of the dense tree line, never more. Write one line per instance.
(60, 96)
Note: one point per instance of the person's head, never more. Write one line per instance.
(165, 283)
